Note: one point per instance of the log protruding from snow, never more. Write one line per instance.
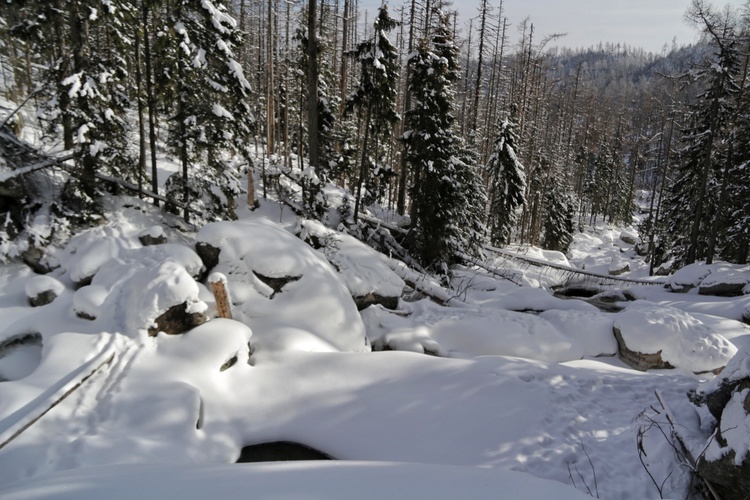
(218, 284)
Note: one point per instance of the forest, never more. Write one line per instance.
(476, 132)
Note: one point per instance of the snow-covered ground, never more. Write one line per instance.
(506, 392)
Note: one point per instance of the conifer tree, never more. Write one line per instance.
(86, 88)
(211, 114)
(559, 223)
(447, 197)
(375, 97)
(690, 206)
(507, 184)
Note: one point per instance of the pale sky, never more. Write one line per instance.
(640, 23)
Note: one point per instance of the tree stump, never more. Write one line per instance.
(218, 284)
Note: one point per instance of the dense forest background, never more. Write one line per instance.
(476, 132)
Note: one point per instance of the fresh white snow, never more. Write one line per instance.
(506, 392)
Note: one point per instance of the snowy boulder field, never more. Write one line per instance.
(506, 388)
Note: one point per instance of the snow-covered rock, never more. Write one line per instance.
(688, 277)
(653, 337)
(136, 293)
(43, 290)
(552, 336)
(362, 269)
(629, 236)
(726, 461)
(284, 290)
(618, 267)
(725, 281)
(152, 236)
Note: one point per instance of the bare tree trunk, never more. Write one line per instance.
(151, 101)
(312, 86)
(141, 119)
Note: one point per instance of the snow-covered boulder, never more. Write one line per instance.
(284, 290)
(88, 300)
(630, 237)
(89, 250)
(689, 277)
(152, 236)
(726, 281)
(362, 269)
(553, 336)
(145, 289)
(726, 461)
(43, 290)
(618, 267)
(656, 337)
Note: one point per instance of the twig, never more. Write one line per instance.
(593, 470)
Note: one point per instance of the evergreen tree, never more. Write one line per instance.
(559, 224)
(375, 98)
(210, 114)
(691, 205)
(447, 197)
(507, 184)
(86, 88)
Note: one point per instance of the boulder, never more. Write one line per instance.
(629, 237)
(177, 319)
(362, 269)
(653, 337)
(43, 290)
(209, 255)
(726, 460)
(618, 268)
(688, 277)
(152, 236)
(287, 292)
(725, 283)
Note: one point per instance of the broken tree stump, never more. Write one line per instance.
(218, 284)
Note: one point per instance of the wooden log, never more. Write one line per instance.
(218, 284)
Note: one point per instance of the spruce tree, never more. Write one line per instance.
(375, 98)
(210, 115)
(507, 184)
(447, 197)
(86, 88)
(691, 205)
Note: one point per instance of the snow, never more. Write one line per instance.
(362, 269)
(41, 284)
(308, 480)
(313, 311)
(521, 393)
(683, 340)
(735, 429)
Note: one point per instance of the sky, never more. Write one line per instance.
(640, 23)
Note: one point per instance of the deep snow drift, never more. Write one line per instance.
(504, 388)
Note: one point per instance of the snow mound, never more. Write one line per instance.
(361, 268)
(467, 333)
(308, 480)
(38, 285)
(283, 289)
(139, 289)
(688, 277)
(683, 341)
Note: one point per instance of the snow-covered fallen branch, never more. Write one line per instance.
(51, 162)
(420, 282)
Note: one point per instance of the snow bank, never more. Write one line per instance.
(308, 480)
(554, 336)
(361, 268)
(684, 341)
(310, 308)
